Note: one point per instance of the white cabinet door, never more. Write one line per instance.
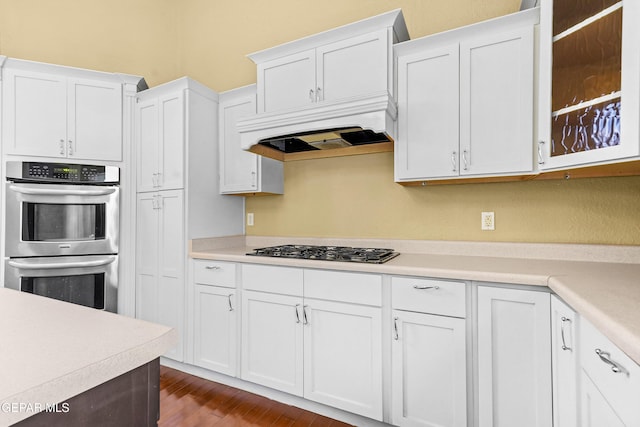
(353, 67)
(215, 329)
(428, 114)
(287, 82)
(160, 143)
(147, 136)
(238, 168)
(514, 363)
(272, 335)
(343, 356)
(34, 113)
(171, 266)
(95, 120)
(496, 103)
(596, 410)
(148, 241)
(172, 142)
(429, 381)
(160, 262)
(564, 364)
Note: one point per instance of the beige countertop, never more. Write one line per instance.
(53, 350)
(606, 291)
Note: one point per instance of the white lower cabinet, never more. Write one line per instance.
(343, 357)
(429, 381)
(272, 349)
(428, 353)
(326, 351)
(160, 262)
(215, 317)
(564, 361)
(514, 363)
(609, 382)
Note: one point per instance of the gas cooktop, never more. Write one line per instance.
(328, 253)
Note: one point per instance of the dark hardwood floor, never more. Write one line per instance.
(189, 401)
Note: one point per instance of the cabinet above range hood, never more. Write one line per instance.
(338, 128)
(327, 95)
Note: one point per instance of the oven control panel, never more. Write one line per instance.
(62, 173)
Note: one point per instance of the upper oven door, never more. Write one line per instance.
(51, 219)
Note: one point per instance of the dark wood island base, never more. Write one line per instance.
(132, 399)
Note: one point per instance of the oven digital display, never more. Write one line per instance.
(65, 170)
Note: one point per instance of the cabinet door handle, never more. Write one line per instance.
(606, 358)
(253, 179)
(159, 179)
(154, 180)
(422, 288)
(564, 343)
(304, 314)
(453, 161)
(62, 147)
(230, 304)
(312, 95)
(318, 94)
(212, 267)
(540, 153)
(396, 336)
(465, 160)
(70, 148)
(297, 313)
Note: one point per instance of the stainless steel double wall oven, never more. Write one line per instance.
(61, 233)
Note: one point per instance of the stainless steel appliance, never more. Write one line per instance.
(328, 253)
(89, 280)
(61, 234)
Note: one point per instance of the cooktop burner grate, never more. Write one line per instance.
(328, 253)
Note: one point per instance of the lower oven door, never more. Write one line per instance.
(90, 280)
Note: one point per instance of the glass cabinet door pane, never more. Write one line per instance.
(596, 126)
(587, 63)
(567, 13)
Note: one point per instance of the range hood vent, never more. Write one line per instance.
(340, 128)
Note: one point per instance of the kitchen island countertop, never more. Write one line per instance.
(53, 350)
(607, 293)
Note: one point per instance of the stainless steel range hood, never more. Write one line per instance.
(335, 128)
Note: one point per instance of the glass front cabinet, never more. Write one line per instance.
(589, 82)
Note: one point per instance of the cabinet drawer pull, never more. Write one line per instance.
(422, 288)
(605, 357)
(212, 267)
(229, 299)
(564, 344)
(395, 329)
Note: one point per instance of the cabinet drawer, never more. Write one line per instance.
(620, 389)
(358, 288)
(277, 280)
(429, 296)
(214, 273)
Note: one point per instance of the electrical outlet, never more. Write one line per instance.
(250, 219)
(488, 221)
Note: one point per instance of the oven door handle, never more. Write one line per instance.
(57, 192)
(58, 265)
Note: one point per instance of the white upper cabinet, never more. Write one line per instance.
(55, 111)
(161, 146)
(347, 62)
(242, 172)
(589, 84)
(465, 101)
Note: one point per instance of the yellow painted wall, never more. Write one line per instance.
(348, 197)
